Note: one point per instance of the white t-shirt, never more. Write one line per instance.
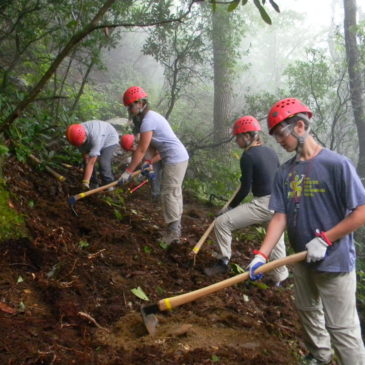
(99, 135)
(163, 138)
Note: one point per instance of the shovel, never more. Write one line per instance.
(73, 199)
(203, 238)
(149, 311)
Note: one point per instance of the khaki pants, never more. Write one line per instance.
(244, 215)
(171, 191)
(327, 307)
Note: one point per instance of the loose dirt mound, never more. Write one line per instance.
(66, 291)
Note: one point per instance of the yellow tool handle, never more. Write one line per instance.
(51, 171)
(173, 302)
(101, 188)
(203, 238)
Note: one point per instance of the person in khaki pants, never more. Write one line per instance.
(155, 131)
(319, 199)
(258, 167)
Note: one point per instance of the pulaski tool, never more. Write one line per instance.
(73, 199)
(148, 311)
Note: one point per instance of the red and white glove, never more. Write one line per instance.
(317, 247)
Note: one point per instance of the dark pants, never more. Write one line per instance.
(105, 166)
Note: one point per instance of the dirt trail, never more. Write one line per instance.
(69, 286)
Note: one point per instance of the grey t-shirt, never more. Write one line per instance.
(99, 136)
(318, 194)
(163, 138)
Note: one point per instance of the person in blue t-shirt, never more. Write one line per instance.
(319, 198)
(155, 131)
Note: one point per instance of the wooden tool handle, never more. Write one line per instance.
(199, 244)
(173, 302)
(101, 188)
(51, 171)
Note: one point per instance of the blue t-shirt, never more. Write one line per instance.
(163, 138)
(318, 194)
(99, 136)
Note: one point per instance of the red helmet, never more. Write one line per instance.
(284, 109)
(133, 94)
(126, 141)
(246, 124)
(76, 134)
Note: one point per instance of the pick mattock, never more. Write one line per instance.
(203, 238)
(149, 311)
(73, 199)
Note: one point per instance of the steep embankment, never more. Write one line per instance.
(66, 290)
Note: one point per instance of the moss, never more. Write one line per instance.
(12, 224)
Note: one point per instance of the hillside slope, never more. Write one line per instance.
(66, 290)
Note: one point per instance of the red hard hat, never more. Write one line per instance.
(245, 124)
(126, 141)
(76, 134)
(133, 94)
(284, 109)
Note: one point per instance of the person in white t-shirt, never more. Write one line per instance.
(96, 140)
(155, 131)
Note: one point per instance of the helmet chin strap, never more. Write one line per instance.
(301, 141)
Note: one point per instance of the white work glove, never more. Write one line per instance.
(223, 210)
(258, 261)
(85, 184)
(317, 249)
(125, 177)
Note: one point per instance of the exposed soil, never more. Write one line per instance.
(66, 291)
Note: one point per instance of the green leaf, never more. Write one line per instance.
(265, 17)
(244, 2)
(164, 245)
(147, 249)
(260, 285)
(237, 269)
(233, 5)
(138, 292)
(275, 6)
(83, 244)
(215, 358)
(3, 150)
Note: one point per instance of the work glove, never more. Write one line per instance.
(125, 177)
(223, 210)
(259, 260)
(150, 175)
(317, 247)
(85, 185)
(146, 168)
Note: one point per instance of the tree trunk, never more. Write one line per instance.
(355, 76)
(222, 58)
